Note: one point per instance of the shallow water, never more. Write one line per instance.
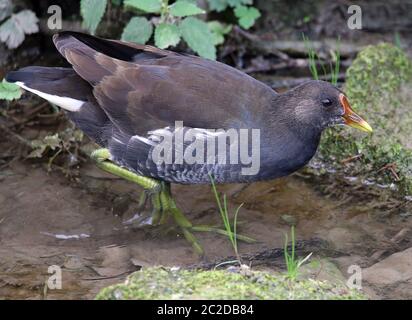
(47, 220)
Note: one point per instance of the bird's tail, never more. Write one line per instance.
(63, 87)
(60, 86)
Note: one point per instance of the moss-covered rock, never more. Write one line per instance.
(322, 269)
(379, 87)
(164, 283)
(377, 73)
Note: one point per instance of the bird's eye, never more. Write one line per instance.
(326, 102)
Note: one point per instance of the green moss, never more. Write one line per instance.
(163, 283)
(377, 73)
(379, 87)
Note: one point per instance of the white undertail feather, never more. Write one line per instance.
(66, 103)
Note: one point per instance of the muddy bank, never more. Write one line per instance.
(378, 85)
(48, 220)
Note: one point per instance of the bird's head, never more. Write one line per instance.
(321, 105)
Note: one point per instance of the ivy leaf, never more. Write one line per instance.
(247, 16)
(218, 5)
(117, 3)
(166, 35)
(151, 6)
(53, 141)
(221, 5)
(38, 149)
(12, 32)
(9, 91)
(6, 9)
(183, 8)
(235, 3)
(138, 30)
(198, 36)
(218, 31)
(40, 146)
(92, 12)
(27, 21)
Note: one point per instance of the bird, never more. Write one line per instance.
(131, 99)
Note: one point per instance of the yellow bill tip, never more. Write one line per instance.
(351, 118)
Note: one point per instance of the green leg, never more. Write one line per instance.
(163, 204)
(102, 158)
(142, 200)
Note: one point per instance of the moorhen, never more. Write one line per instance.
(131, 98)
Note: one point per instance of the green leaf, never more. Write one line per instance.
(40, 146)
(247, 16)
(12, 32)
(218, 5)
(38, 149)
(138, 30)
(166, 35)
(218, 31)
(92, 12)
(6, 9)
(9, 91)
(53, 141)
(221, 5)
(183, 8)
(27, 21)
(198, 36)
(151, 6)
(117, 3)
(235, 3)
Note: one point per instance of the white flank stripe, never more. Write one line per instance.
(66, 103)
(160, 132)
(144, 140)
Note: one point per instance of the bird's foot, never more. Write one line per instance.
(163, 205)
(162, 202)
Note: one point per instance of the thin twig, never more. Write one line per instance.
(350, 159)
(30, 115)
(254, 38)
(15, 136)
(392, 168)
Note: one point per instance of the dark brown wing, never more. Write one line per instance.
(142, 88)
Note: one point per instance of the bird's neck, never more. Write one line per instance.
(286, 145)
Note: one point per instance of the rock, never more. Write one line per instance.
(289, 219)
(175, 283)
(115, 261)
(345, 237)
(2, 199)
(378, 86)
(394, 269)
(344, 263)
(322, 269)
(402, 236)
(121, 204)
(74, 262)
